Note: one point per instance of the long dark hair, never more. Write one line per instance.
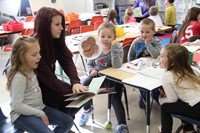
(191, 16)
(42, 31)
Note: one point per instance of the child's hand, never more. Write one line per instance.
(149, 39)
(162, 92)
(114, 42)
(45, 120)
(93, 73)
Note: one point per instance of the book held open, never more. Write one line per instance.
(78, 99)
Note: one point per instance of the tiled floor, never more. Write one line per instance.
(136, 124)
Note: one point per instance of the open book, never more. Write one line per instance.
(137, 12)
(78, 99)
(148, 78)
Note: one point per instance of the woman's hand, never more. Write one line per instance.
(76, 88)
(45, 120)
(93, 73)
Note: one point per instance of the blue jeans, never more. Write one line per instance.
(33, 124)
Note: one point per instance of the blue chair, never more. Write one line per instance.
(187, 119)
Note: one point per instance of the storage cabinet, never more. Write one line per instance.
(91, 4)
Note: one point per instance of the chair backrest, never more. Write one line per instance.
(86, 28)
(29, 18)
(126, 45)
(97, 24)
(95, 19)
(74, 26)
(27, 32)
(174, 38)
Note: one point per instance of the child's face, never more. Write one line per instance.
(106, 36)
(163, 60)
(198, 17)
(146, 31)
(32, 56)
(56, 26)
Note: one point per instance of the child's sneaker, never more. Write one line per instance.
(85, 116)
(121, 129)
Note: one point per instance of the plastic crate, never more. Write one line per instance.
(71, 16)
(16, 27)
(5, 27)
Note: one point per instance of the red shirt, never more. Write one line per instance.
(193, 29)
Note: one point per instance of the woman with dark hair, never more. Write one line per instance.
(144, 6)
(49, 30)
(190, 26)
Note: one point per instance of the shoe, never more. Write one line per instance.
(121, 129)
(85, 116)
(141, 104)
(193, 131)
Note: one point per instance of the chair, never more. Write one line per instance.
(174, 38)
(193, 38)
(27, 32)
(187, 119)
(86, 28)
(95, 19)
(74, 26)
(97, 24)
(126, 45)
(29, 18)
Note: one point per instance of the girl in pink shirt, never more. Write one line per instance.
(128, 18)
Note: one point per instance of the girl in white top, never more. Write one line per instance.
(181, 87)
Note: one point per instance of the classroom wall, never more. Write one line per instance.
(8, 8)
(37, 4)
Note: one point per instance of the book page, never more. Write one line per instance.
(137, 12)
(93, 87)
(143, 81)
(152, 72)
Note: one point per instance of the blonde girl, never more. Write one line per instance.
(128, 17)
(181, 87)
(28, 112)
(111, 56)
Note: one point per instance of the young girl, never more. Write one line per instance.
(111, 17)
(111, 56)
(145, 45)
(190, 26)
(181, 87)
(28, 112)
(170, 13)
(128, 17)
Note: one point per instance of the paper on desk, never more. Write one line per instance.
(148, 78)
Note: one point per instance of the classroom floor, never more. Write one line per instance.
(136, 124)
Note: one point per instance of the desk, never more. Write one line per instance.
(119, 75)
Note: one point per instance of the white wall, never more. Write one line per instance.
(37, 4)
(77, 6)
(9, 6)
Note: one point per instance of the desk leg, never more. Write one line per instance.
(148, 111)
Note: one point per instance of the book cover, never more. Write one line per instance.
(137, 12)
(78, 99)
